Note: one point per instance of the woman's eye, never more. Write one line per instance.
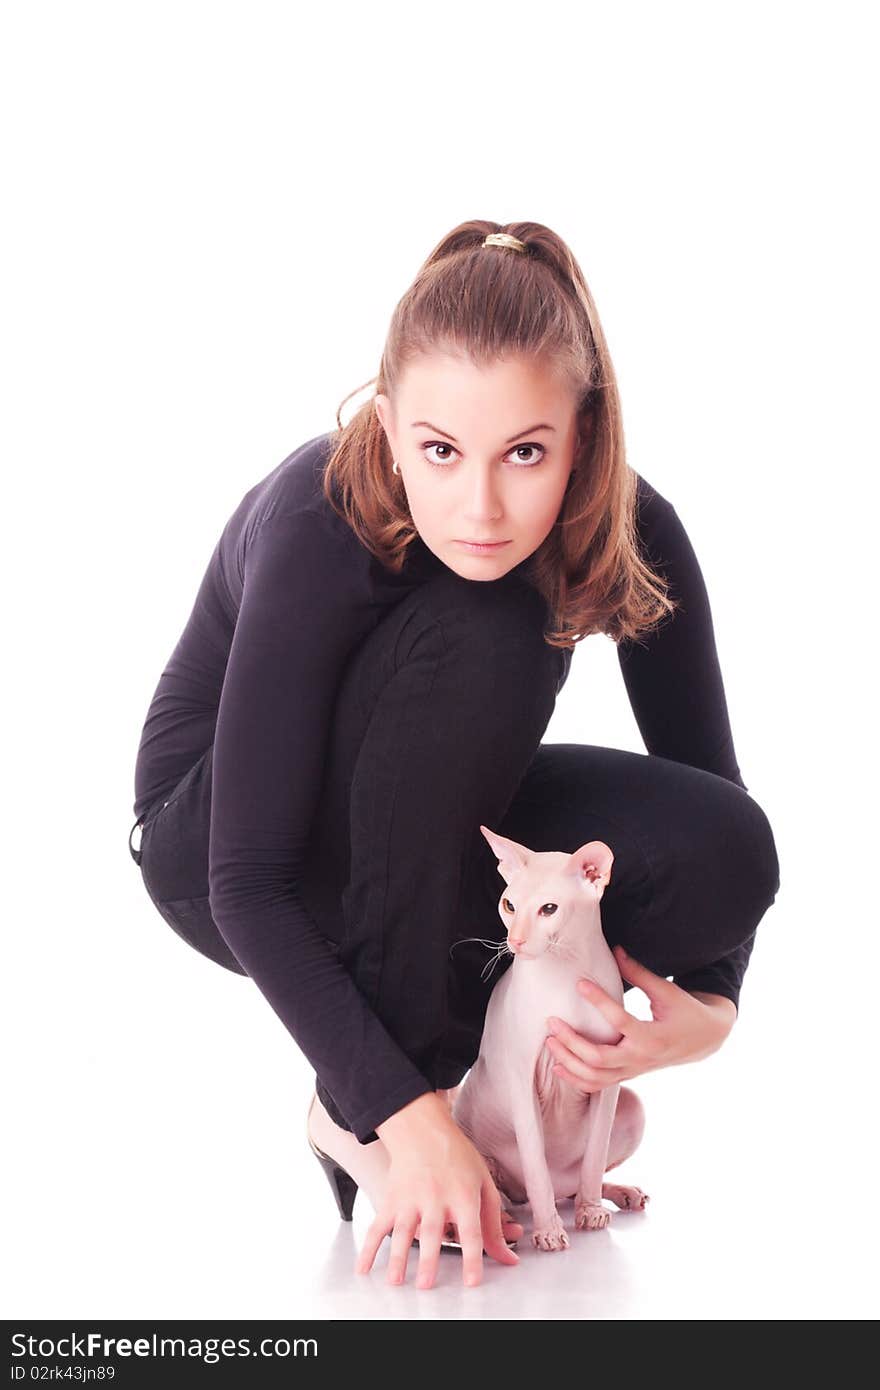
(438, 463)
(529, 463)
(520, 449)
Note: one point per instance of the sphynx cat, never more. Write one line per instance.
(542, 1140)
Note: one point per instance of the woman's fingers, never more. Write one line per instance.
(492, 1234)
(474, 1216)
(512, 1228)
(471, 1234)
(493, 1229)
(430, 1232)
(587, 1077)
(401, 1244)
(374, 1238)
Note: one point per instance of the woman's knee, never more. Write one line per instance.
(484, 627)
(745, 842)
(457, 671)
(765, 863)
(712, 861)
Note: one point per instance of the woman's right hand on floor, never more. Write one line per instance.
(436, 1176)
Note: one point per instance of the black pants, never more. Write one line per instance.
(437, 728)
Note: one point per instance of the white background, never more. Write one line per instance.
(211, 210)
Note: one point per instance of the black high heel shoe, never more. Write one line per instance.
(345, 1189)
(343, 1184)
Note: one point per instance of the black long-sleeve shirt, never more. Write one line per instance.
(288, 593)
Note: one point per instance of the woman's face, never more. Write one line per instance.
(484, 454)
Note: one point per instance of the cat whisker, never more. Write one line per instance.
(480, 941)
(498, 949)
(558, 949)
(490, 965)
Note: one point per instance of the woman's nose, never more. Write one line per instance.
(483, 503)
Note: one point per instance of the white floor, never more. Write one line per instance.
(160, 1167)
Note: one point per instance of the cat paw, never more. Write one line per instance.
(551, 1236)
(627, 1198)
(591, 1216)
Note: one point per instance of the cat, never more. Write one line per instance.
(543, 1140)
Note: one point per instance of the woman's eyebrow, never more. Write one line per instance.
(531, 430)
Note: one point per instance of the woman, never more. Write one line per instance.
(371, 661)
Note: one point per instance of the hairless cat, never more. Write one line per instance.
(543, 1140)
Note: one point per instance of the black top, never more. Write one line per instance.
(288, 593)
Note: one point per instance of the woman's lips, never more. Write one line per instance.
(482, 547)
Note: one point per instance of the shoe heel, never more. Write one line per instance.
(342, 1183)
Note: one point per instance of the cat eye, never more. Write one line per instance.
(546, 911)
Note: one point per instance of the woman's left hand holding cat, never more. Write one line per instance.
(684, 1029)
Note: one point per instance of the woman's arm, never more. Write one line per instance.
(722, 979)
(675, 687)
(723, 1007)
(672, 674)
(302, 611)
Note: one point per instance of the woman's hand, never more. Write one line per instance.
(436, 1176)
(684, 1029)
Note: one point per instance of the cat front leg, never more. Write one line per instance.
(589, 1213)
(548, 1232)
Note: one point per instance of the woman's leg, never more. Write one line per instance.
(173, 858)
(440, 713)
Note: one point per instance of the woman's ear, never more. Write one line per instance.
(384, 413)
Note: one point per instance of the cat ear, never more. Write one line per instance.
(509, 854)
(592, 862)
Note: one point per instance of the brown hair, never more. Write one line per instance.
(488, 303)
